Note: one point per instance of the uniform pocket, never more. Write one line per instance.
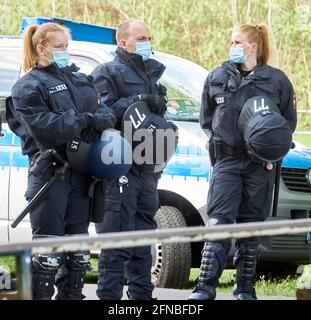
(133, 83)
(111, 219)
(268, 90)
(112, 197)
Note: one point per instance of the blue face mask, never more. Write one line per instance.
(61, 58)
(237, 55)
(143, 49)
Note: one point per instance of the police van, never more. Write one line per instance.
(184, 183)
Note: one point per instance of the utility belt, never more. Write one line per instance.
(218, 150)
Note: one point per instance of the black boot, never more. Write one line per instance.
(71, 276)
(245, 260)
(212, 264)
(44, 268)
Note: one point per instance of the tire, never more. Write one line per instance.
(171, 263)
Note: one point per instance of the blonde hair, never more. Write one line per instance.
(38, 34)
(259, 35)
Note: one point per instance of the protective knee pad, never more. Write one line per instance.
(245, 260)
(79, 260)
(213, 261)
(44, 268)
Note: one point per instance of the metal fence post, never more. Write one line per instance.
(24, 276)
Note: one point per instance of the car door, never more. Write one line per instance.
(9, 70)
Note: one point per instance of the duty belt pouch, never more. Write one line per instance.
(97, 193)
(217, 149)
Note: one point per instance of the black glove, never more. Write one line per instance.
(103, 118)
(156, 103)
(89, 135)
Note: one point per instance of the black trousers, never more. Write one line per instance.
(240, 190)
(63, 209)
(132, 209)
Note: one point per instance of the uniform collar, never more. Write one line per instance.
(261, 70)
(134, 60)
(54, 68)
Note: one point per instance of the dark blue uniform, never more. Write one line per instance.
(52, 106)
(133, 208)
(240, 189)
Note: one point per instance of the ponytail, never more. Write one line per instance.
(259, 35)
(265, 50)
(35, 35)
(30, 57)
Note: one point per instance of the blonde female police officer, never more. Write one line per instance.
(54, 103)
(240, 189)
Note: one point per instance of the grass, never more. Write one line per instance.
(304, 139)
(199, 31)
(265, 285)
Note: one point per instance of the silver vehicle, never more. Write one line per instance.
(184, 184)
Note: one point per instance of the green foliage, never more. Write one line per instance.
(8, 262)
(197, 30)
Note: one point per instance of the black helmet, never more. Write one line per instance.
(107, 158)
(152, 143)
(266, 133)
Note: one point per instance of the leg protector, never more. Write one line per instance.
(70, 277)
(245, 260)
(213, 261)
(44, 268)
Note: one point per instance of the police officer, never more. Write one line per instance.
(132, 202)
(54, 103)
(241, 187)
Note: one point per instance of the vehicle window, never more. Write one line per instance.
(9, 69)
(86, 65)
(184, 81)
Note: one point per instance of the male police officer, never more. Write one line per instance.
(131, 202)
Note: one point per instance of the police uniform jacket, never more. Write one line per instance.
(120, 81)
(226, 91)
(52, 103)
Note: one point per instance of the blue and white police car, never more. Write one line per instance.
(184, 184)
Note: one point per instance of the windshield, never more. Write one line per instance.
(184, 81)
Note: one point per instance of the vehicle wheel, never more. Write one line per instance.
(171, 263)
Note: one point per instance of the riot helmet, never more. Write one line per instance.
(266, 133)
(153, 138)
(108, 157)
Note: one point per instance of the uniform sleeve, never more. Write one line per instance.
(288, 102)
(207, 108)
(50, 129)
(107, 88)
